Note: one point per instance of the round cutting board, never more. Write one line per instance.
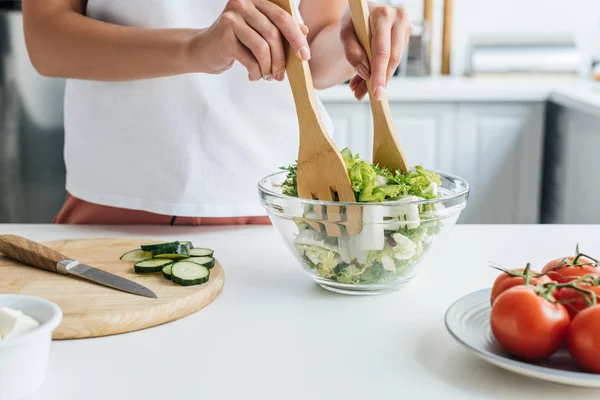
(92, 310)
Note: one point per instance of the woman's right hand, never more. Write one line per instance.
(251, 32)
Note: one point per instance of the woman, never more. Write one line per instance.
(175, 109)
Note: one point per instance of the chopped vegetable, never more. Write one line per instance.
(393, 238)
(208, 262)
(193, 269)
(136, 255)
(180, 252)
(188, 273)
(201, 252)
(161, 245)
(151, 266)
(166, 271)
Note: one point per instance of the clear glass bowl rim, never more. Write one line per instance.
(442, 199)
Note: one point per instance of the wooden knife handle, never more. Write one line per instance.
(30, 253)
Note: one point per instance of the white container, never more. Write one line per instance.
(24, 358)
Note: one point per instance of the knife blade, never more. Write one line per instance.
(42, 257)
(87, 272)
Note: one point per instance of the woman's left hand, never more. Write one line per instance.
(390, 32)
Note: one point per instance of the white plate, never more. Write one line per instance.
(468, 321)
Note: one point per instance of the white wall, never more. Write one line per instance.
(581, 18)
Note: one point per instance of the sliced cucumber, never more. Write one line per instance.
(166, 271)
(182, 251)
(188, 273)
(136, 255)
(158, 246)
(171, 256)
(151, 266)
(208, 262)
(201, 252)
(187, 242)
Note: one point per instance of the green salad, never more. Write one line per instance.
(393, 239)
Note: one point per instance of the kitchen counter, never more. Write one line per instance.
(571, 92)
(584, 97)
(273, 334)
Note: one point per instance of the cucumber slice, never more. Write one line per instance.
(182, 251)
(201, 252)
(208, 262)
(151, 266)
(136, 255)
(171, 257)
(188, 273)
(162, 245)
(166, 271)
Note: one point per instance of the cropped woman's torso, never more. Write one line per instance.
(189, 145)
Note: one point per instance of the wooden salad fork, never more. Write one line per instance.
(321, 170)
(387, 151)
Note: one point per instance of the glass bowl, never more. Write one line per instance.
(394, 237)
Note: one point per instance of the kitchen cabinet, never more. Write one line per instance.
(426, 133)
(573, 194)
(500, 155)
(495, 146)
(352, 129)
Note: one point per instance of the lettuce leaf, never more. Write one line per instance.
(374, 184)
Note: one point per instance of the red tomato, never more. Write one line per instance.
(527, 325)
(583, 339)
(564, 269)
(575, 300)
(507, 280)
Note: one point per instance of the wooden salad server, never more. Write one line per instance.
(387, 151)
(321, 171)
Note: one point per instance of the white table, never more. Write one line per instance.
(273, 334)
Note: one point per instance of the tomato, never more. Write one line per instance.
(583, 339)
(564, 269)
(527, 325)
(574, 300)
(507, 280)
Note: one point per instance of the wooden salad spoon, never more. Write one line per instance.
(387, 151)
(321, 170)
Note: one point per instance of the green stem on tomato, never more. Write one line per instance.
(517, 273)
(527, 274)
(579, 255)
(590, 279)
(546, 291)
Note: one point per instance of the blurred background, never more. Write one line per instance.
(503, 93)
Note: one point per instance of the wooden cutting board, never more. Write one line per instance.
(92, 310)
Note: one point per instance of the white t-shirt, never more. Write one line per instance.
(190, 145)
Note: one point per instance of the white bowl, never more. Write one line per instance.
(24, 358)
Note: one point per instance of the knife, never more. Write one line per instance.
(42, 257)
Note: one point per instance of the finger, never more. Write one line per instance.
(256, 44)
(269, 32)
(380, 53)
(287, 25)
(400, 36)
(361, 90)
(354, 52)
(247, 59)
(304, 29)
(355, 81)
